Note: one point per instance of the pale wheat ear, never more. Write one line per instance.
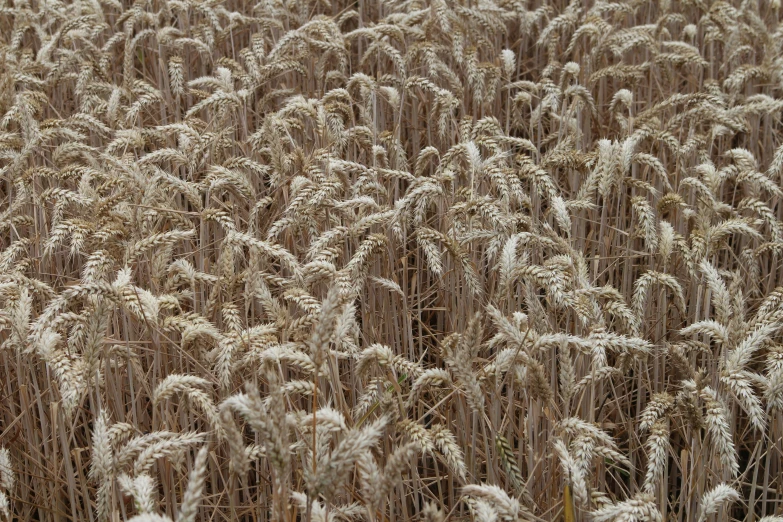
(658, 447)
(7, 482)
(190, 501)
(713, 499)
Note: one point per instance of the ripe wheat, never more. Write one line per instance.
(432, 260)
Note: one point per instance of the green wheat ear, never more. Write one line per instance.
(506, 455)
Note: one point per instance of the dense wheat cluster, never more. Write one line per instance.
(391, 261)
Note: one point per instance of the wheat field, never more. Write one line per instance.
(391, 261)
